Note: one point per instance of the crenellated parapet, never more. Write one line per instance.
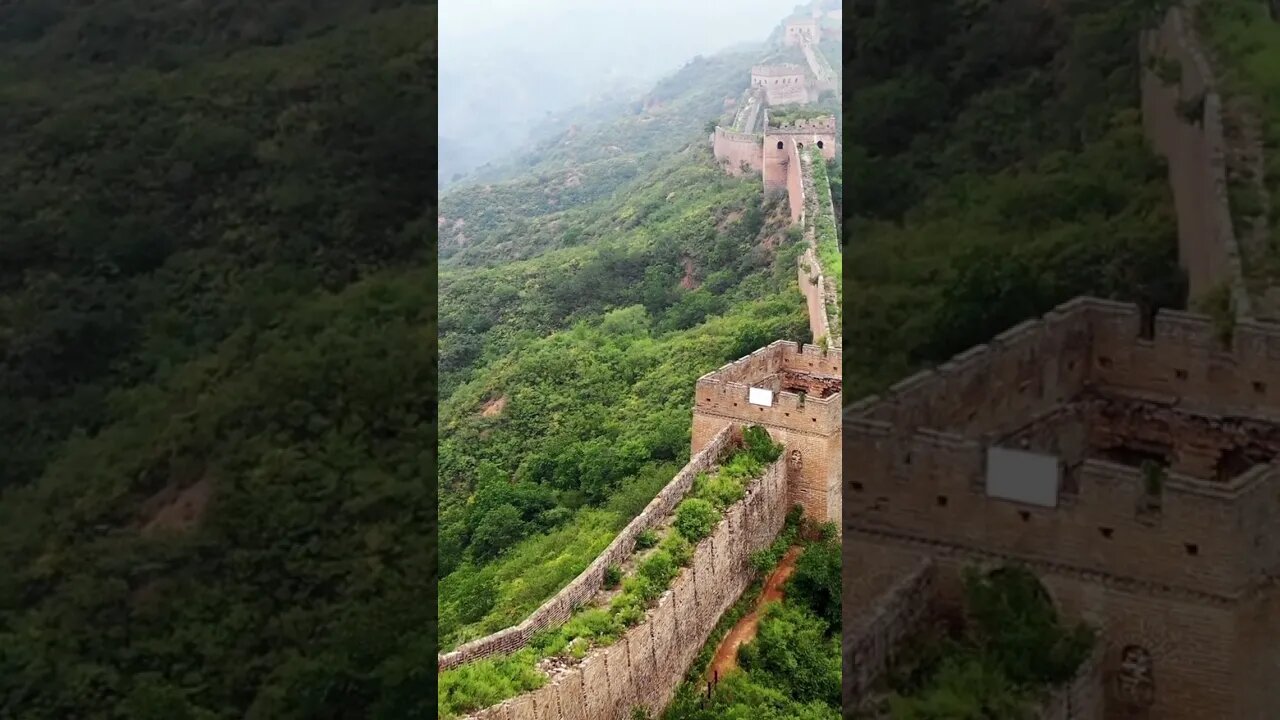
(1101, 412)
(820, 125)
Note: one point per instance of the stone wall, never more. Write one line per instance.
(1208, 656)
(733, 149)
(826, 78)
(558, 609)
(1196, 154)
(812, 285)
(1189, 585)
(648, 663)
(823, 292)
(782, 84)
(795, 183)
(921, 480)
(886, 593)
(776, 161)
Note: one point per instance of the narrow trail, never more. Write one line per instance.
(744, 631)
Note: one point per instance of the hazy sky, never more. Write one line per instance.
(504, 64)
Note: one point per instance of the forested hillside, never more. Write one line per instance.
(217, 370)
(567, 378)
(996, 168)
(538, 200)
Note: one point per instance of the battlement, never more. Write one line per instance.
(739, 137)
(1046, 444)
(778, 356)
(777, 71)
(800, 30)
(1089, 340)
(784, 384)
(820, 125)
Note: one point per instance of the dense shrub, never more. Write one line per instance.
(696, 518)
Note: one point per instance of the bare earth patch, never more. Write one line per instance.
(688, 282)
(494, 407)
(726, 657)
(176, 509)
(728, 220)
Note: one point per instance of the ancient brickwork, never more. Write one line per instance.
(735, 150)
(886, 594)
(813, 284)
(800, 31)
(782, 84)
(648, 663)
(1173, 575)
(1183, 121)
(795, 183)
(558, 609)
(809, 427)
(825, 78)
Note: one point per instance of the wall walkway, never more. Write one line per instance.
(558, 609)
(649, 662)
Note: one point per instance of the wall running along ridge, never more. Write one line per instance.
(557, 610)
(813, 282)
(1196, 154)
(649, 661)
(820, 295)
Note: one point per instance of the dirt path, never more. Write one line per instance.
(744, 631)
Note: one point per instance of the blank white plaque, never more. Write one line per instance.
(1022, 476)
(760, 396)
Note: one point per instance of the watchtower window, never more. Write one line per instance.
(779, 144)
(819, 144)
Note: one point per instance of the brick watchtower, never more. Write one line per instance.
(1135, 467)
(793, 391)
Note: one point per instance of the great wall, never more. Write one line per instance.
(1132, 463)
(790, 389)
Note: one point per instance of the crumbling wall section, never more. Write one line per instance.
(886, 594)
(1182, 118)
(557, 610)
(646, 665)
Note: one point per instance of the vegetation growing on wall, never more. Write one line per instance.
(1010, 650)
(601, 625)
(1245, 45)
(829, 253)
(611, 447)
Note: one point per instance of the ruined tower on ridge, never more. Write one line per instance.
(793, 391)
